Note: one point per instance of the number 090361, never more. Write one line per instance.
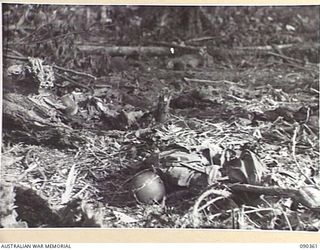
(308, 246)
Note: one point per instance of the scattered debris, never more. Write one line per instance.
(215, 132)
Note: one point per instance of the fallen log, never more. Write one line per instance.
(26, 120)
(308, 196)
(126, 50)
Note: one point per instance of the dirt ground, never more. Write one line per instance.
(254, 89)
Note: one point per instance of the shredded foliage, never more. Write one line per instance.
(267, 102)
